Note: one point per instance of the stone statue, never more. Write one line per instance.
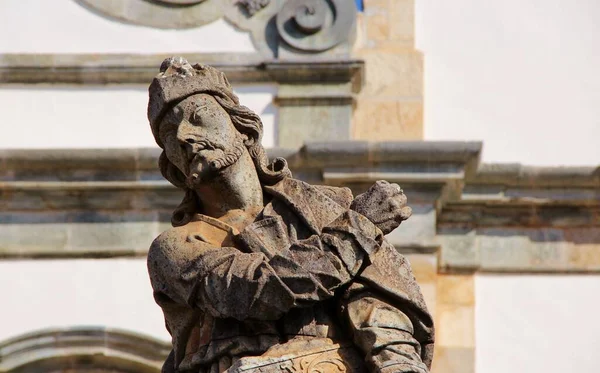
(265, 273)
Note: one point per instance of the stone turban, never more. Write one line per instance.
(178, 80)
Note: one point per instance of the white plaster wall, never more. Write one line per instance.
(521, 75)
(63, 26)
(97, 117)
(537, 324)
(114, 293)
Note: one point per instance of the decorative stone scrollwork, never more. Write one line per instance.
(253, 6)
(315, 25)
(171, 14)
(322, 363)
(279, 28)
(180, 2)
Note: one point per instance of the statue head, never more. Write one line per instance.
(199, 123)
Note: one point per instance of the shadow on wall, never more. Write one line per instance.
(82, 349)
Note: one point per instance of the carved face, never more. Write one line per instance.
(200, 139)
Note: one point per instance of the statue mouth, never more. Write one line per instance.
(198, 146)
(211, 158)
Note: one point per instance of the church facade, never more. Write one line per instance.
(507, 254)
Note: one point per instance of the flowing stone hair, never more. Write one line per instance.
(246, 123)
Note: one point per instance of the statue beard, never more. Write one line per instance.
(227, 156)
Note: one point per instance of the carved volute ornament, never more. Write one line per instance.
(265, 273)
(167, 14)
(279, 28)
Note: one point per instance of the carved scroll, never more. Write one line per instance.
(315, 25)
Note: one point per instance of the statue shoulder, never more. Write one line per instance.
(178, 245)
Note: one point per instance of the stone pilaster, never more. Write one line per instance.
(390, 106)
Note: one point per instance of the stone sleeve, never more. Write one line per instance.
(229, 283)
(384, 334)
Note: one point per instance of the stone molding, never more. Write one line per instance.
(279, 28)
(73, 349)
(521, 219)
(478, 217)
(141, 69)
(167, 14)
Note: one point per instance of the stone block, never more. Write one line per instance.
(455, 326)
(375, 6)
(530, 250)
(585, 257)
(453, 360)
(424, 267)
(402, 20)
(167, 197)
(22, 239)
(392, 73)
(388, 120)
(458, 249)
(299, 124)
(378, 27)
(132, 237)
(582, 235)
(456, 290)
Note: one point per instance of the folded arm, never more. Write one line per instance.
(229, 283)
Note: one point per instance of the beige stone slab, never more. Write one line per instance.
(453, 360)
(586, 257)
(429, 291)
(402, 20)
(455, 326)
(456, 290)
(392, 72)
(302, 123)
(376, 5)
(424, 267)
(388, 120)
(378, 27)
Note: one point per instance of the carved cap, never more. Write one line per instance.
(178, 80)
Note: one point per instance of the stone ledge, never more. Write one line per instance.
(141, 69)
(519, 250)
(119, 198)
(529, 176)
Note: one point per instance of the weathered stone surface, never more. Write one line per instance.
(300, 120)
(160, 13)
(459, 325)
(76, 233)
(381, 120)
(459, 249)
(402, 27)
(393, 74)
(456, 289)
(127, 68)
(265, 262)
(454, 360)
(391, 105)
(521, 250)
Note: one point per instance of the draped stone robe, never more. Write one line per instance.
(308, 270)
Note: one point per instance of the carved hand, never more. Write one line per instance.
(384, 204)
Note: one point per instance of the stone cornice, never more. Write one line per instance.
(517, 175)
(332, 162)
(119, 195)
(140, 69)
